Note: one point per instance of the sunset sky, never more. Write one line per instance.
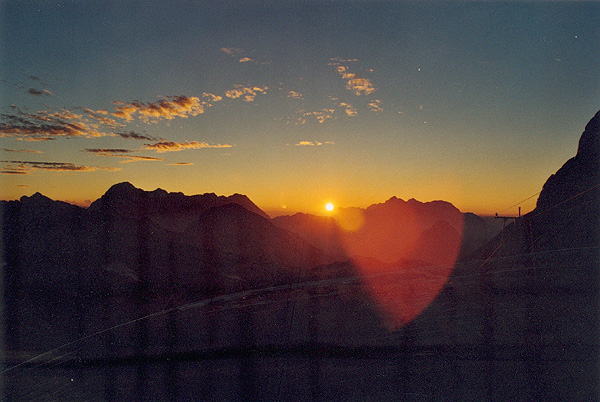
(295, 104)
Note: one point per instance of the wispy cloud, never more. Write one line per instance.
(209, 98)
(21, 151)
(39, 92)
(26, 167)
(135, 158)
(360, 85)
(136, 136)
(171, 146)
(349, 109)
(47, 125)
(312, 143)
(180, 164)
(8, 171)
(247, 94)
(231, 50)
(237, 53)
(320, 115)
(107, 151)
(122, 153)
(342, 60)
(167, 108)
(101, 117)
(294, 95)
(35, 138)
(354, 81)
(43, 125)
(376, 106)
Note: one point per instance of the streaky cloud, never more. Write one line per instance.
(312, 143)
(134, 158)
(39, 92)
(24, 167)
(136, 136)
(107, 150)
(13, 172)
(29, 151)
(36, 139)
(42, 125)
(172, 146)
(122, 153)
(167, 108)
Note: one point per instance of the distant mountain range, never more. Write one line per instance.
(144, 272)
(207, 244)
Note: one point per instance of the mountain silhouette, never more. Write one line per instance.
(173, 211)
(394, 230)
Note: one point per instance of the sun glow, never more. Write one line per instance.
(329, 206)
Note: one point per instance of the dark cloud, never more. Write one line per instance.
(107, 150)
(122, 153)
(38, 138)
(136, 136)
(39, 92)
(14, 172)
(24, 167)
(45, 125)
(29, 151)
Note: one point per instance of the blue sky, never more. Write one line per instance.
(296, 103)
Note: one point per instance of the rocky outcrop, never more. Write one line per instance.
(568, 208)
(579, 174)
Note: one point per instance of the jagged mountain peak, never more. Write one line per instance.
(37, 197)
(579, 174)
(173, 210)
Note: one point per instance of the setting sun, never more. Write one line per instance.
(329, 206)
